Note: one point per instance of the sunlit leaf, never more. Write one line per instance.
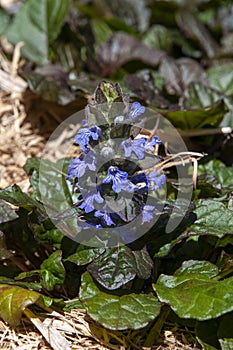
(13, 301)
(85, 255)
(213, 218)
(196, 297)
(132, 311)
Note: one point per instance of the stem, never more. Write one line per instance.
(155, 331)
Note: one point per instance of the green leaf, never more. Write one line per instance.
(13, 301)
(143, 263)
(158, 36)
(221, 78)
(48, 180)
(213, 218)
(221, 174)
(197, 267)
(73, 304)
(200, 96)
(52, 271)
(101, 30)
(196, 297)
(37, 24)
(132, 311)
(84, 255)
(15, 196)
(117, 266)
(4, 20)
(7, 213)
(198, 118)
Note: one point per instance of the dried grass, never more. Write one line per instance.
(74, 330)
(17, 140)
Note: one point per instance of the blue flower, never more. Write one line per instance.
(149, 145)
(136, 146)
(135, 110)
(84, 134)
(78, 166)
(106, 217)
(156, 181)
(88, 203)
(148, 213)
(119, 180)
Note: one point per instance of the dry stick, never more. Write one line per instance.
(204, 132)
(16, 58)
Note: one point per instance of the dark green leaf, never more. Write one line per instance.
(213, 218)
(122, 48)
(15, 196)
(221, 174)
(132, 311)
(37, 24)
(73, 304)
(117, 266)
(7, 213)
(198, 118)
(225, 332)
(4, 252)
(48, 180)
(206, 332)
(114, 268)
(143, 262)
(52, 271)
(85, 255)
(196, 297)
(13, 301)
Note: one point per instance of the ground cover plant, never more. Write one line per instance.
(71, 242)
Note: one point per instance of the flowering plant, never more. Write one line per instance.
(113, 175)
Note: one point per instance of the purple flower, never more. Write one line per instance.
(119, 180)
(135, 110)
(136, 146)
(156, 181)
(88, 203)
(78, 166)
(148, 213)
(106, 217)
(149, 146)
(84, 134)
